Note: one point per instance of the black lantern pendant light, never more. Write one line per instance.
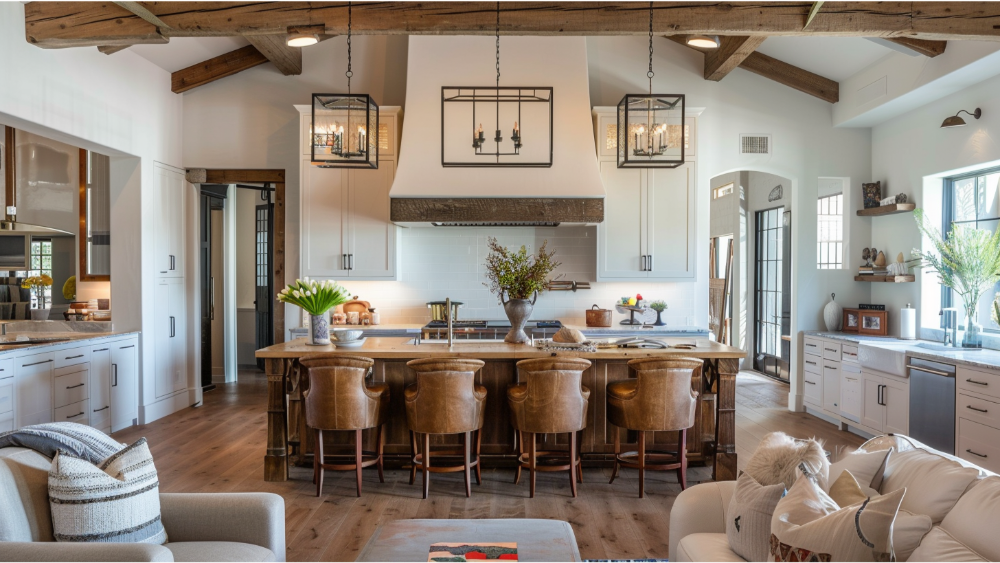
(651, 126)
(345, 126)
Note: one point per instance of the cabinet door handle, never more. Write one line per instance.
(101, 409)
(114, 369)
(350, 261)
(970, 407)
(211, 298)
(881, 395)
(642, 262)
(74, 357)
(983, 383)
(810, 382)
(649, 262)
(173, 263)
(75, 386)
(36, 363)
(173, 328)
(977, 454)
(81, 413)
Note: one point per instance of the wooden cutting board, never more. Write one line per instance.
(356, 305)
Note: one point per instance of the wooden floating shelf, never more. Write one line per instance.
(887, 209)
(886, 279)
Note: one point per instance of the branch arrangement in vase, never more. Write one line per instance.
(521, 276)
(967, 261)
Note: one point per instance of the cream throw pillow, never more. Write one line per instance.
(867, 468)
(778, 457)
(115, 502)
(748, 518)
(939, 545)
(809, 526)
(935, 483)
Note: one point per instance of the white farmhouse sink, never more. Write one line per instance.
(946, 349)
(888, 359)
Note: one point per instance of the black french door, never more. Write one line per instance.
(772, 292)
(264, 251)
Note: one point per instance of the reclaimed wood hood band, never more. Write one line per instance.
(79, 24)
(496, 210)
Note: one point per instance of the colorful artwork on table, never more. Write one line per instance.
(473, 552)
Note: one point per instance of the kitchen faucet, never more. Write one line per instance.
(447, 315)
(949, 323)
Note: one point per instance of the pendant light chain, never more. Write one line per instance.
(650, 72)
(498, 45)
(349, 73)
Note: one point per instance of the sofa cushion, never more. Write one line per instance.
(866, 467)
(778, 457)
(24, 490)
(80, 440)
(705, 547)
(118, 501)
(974, 519)
(939, 545)
(748, 519)
(933, 482)
(219, 551)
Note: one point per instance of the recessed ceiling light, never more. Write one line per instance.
(302, 39)
(703, 41)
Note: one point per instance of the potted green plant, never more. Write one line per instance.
(38, 285)
(316, 298)
(516, 277)
(658, 306)
(968, 262)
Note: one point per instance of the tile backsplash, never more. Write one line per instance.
(440, 262)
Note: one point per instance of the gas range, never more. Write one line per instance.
(486, 330)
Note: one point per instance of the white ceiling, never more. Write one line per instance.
(182, 52)
(836, 58)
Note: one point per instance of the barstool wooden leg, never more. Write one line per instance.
(318, 454)
(520, 454)
(572, 463)
(531, 463)
(378, 441)
(682, 454)
(357, 458)
(427, 464)
(579, 465)
(618, 451)
(315, 463)
(642, 463)
(479, 466)
(413, 456)
(466, 446)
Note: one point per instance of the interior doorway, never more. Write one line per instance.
(772, 303)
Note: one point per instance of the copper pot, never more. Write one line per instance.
(598, 317)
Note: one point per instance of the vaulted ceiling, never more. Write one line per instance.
(809, 46)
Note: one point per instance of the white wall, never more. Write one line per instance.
(119, 105)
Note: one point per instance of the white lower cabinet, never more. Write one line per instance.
(6, 401)
(124, 385)
(33, 389)
(170, 343)
(978, 412)
(100, 388)
(885, 406)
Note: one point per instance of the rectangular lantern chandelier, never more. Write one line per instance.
(503, 110)
(344, 131)
(651, 131)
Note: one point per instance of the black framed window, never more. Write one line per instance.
(973, 200)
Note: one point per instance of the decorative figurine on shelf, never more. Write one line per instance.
(866, 255)
(872, 194)
(899, 267)
(901, 198)
(833, 314)
(880, 260)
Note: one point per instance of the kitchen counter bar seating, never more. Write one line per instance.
(339, 399)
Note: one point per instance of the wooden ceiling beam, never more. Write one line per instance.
(922, 46)
(77, 24)
(140, 9)
(112, 49)
(732, 51)
(276, 49)
(793, 77)
(215, 68)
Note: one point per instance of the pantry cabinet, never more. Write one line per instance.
(648, 232)
(346, 231)
(169, 334)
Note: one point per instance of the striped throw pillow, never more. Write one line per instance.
(117, 501)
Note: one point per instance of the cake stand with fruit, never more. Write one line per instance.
(633, 305)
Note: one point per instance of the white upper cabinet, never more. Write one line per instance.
(169, 188)
(648, 230)
(346, 232)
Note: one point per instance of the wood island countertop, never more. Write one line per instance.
(399, 348)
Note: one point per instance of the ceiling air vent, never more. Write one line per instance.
(755, 144)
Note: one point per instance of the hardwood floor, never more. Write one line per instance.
(220, 448)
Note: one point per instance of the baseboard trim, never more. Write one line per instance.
(164, 407)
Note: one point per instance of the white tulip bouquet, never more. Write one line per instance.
(315, 297)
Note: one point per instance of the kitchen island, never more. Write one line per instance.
(711, 441)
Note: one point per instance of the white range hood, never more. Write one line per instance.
(564, 193)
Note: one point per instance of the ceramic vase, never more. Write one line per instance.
(659, 320)
(833, 314)
(518, 312)
(319, 330)
(40, 314)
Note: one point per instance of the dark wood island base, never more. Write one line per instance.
(712, 440)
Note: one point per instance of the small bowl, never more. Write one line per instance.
(345, 334)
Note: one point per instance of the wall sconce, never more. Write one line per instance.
(956, 121)
(703, 41)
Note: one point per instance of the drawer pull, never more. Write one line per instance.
(810, 382)
(74, 357)
(977, 454)
(983, 383)
(810, 363)
(101, 409)
(101, 350)
(77, 385)
(82, 413)
(47, 361)
(831, 349)
(970, 407)
(828, 367)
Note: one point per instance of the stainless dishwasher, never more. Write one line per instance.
(932, 404)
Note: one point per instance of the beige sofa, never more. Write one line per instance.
(698, 516)
(200, 527)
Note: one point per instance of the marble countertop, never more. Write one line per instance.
(984, 358)
(59, 339)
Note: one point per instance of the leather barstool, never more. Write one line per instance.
(551, 400)
(445, 400)
(339, 399)
(659, 399)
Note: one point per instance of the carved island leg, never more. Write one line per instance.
(298, 434)
(276, 456)
(724, 468)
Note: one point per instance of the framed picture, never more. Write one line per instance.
(874, 323)
(872, 194)
(852, 320)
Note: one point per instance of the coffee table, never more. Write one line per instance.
(410, 540)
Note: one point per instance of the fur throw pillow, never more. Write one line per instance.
(778, 457)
